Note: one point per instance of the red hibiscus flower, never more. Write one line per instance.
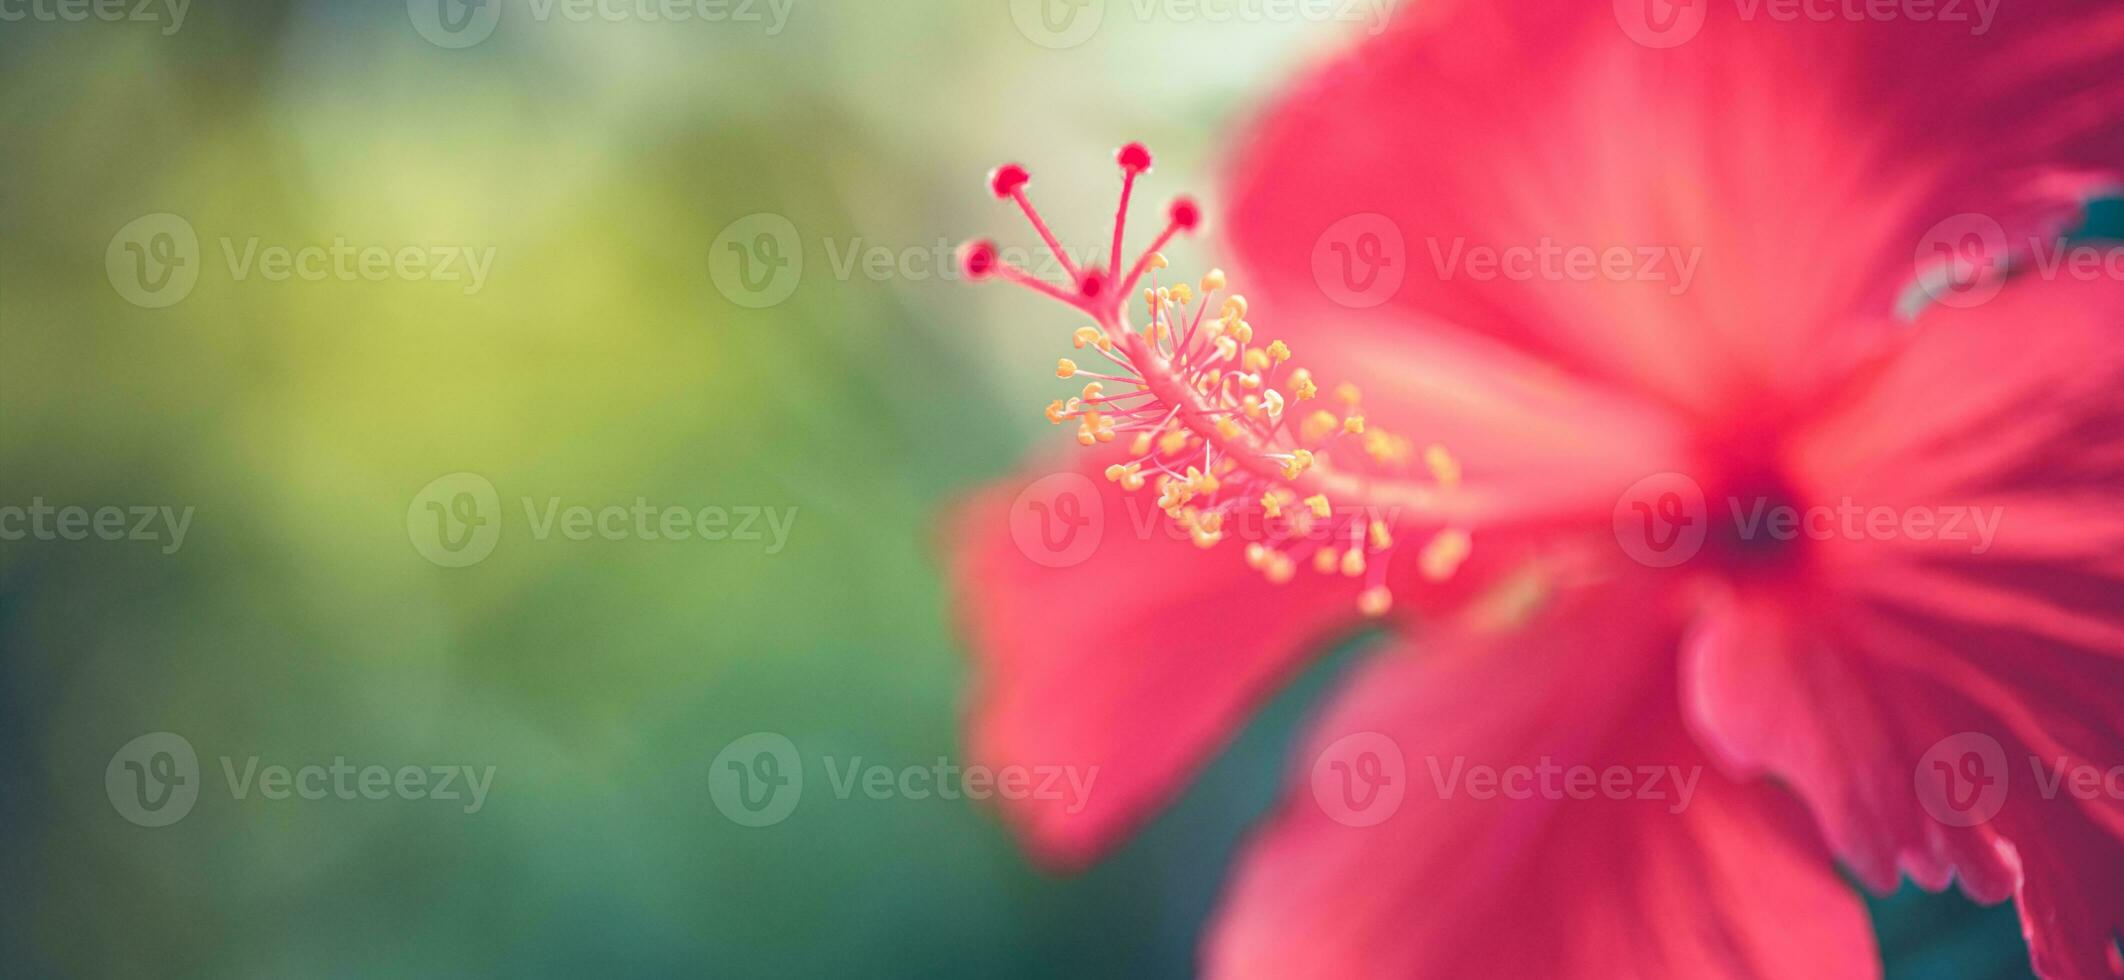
(1787, 443)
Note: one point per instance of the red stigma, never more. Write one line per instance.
(1093, 283)
(1185, 214)
(978, 258)
(1097, 290)
(1006, 179)
(1133, 158)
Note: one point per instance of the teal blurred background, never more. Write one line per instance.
(606, 166)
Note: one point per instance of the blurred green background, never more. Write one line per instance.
(600, 162)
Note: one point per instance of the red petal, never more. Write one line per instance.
(1547, 447)
(1804, 162)
(1123, 648)
(1994, 657)
(1427, 880)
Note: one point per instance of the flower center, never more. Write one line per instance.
(1215, 420)
(1757, 522)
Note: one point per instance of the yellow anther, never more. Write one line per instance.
(1353, 562)
(1172, 494)
(1157, 260)
(1251, 406)
(1300, 461)
(1271, 504)
(1091, 335)
(1348, 393)
(1093, 390)
(1228, 429)
(1317, 426)
(1444, 553)
(1244, 331)
(1318, 504)
(1248, 379)
(1279, 351)
(1234, 307)
(1302, 385)
(1200, 482)
(1382, 539)
(1273, 401)
(1173, 441)
(1386, 448)
(1257, 555)
(1182, 295)
(1326, 560)
(1256, 359)
(1213, 281)
(1065, 368)
(1375, 601)
(1094, 429)
(1056, 413)
(1128, 475)
(1281, 568)
(1444, 468)
(1227, 347)
(1353, 425)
